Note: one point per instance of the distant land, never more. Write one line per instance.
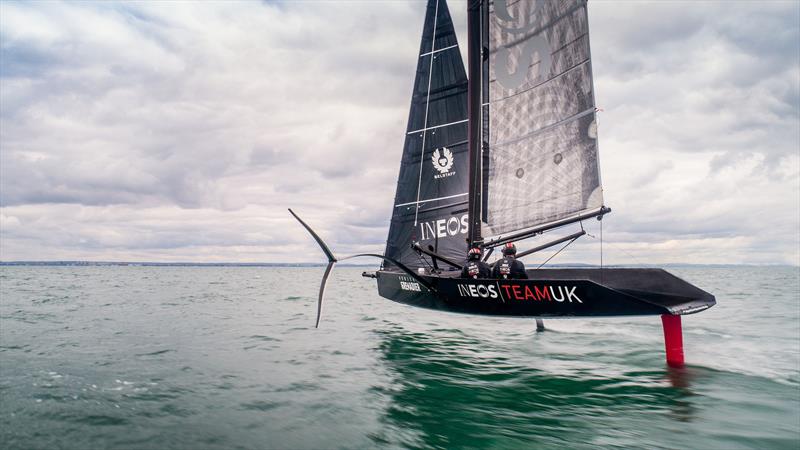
(235, 264)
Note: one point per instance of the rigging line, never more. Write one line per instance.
(427, 103)
(621, 249)
(556, 253)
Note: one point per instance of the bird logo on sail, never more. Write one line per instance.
(442, 160)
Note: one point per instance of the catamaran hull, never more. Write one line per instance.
(552, 293)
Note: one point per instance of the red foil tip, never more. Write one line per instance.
(673, 340)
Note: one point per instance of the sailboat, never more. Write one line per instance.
(503, 153)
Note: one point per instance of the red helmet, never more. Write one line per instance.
(510, 249)
(474, 253)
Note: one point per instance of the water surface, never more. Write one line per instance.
(227, 357)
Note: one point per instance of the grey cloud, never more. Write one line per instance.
(173, 131)
(173, 124)
(706, 78)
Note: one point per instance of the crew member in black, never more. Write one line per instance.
(508, 266)
(474, 267)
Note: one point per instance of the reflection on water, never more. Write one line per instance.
(451, 390)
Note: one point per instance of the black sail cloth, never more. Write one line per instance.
(431, 197)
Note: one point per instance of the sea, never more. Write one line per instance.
(127, 357)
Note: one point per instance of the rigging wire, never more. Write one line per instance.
(615, 246)
(556, 253)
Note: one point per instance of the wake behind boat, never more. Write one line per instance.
(505, 154)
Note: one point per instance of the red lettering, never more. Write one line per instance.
(529, 293)
(544, 293)
(506, 288)
(517, 292)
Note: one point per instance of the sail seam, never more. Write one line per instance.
(547, 128)
(427, 103)
(439, 50)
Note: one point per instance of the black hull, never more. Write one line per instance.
(552, 293)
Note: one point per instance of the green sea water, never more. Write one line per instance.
(228, 358)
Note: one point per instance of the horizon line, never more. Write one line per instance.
(63, 262)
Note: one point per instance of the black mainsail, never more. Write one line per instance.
(431, 197)
(540, 140)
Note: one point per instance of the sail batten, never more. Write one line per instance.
(545, 128)
(431, 200)
(438, 50)
(576, 66)
(433, 127)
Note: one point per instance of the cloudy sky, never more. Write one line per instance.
(155, 131)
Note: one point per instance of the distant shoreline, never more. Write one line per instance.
(225, 264)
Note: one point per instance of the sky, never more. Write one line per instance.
(182, 132)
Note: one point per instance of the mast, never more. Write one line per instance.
(474, 76)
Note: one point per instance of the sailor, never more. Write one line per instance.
(508, 266)
(474, 267)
